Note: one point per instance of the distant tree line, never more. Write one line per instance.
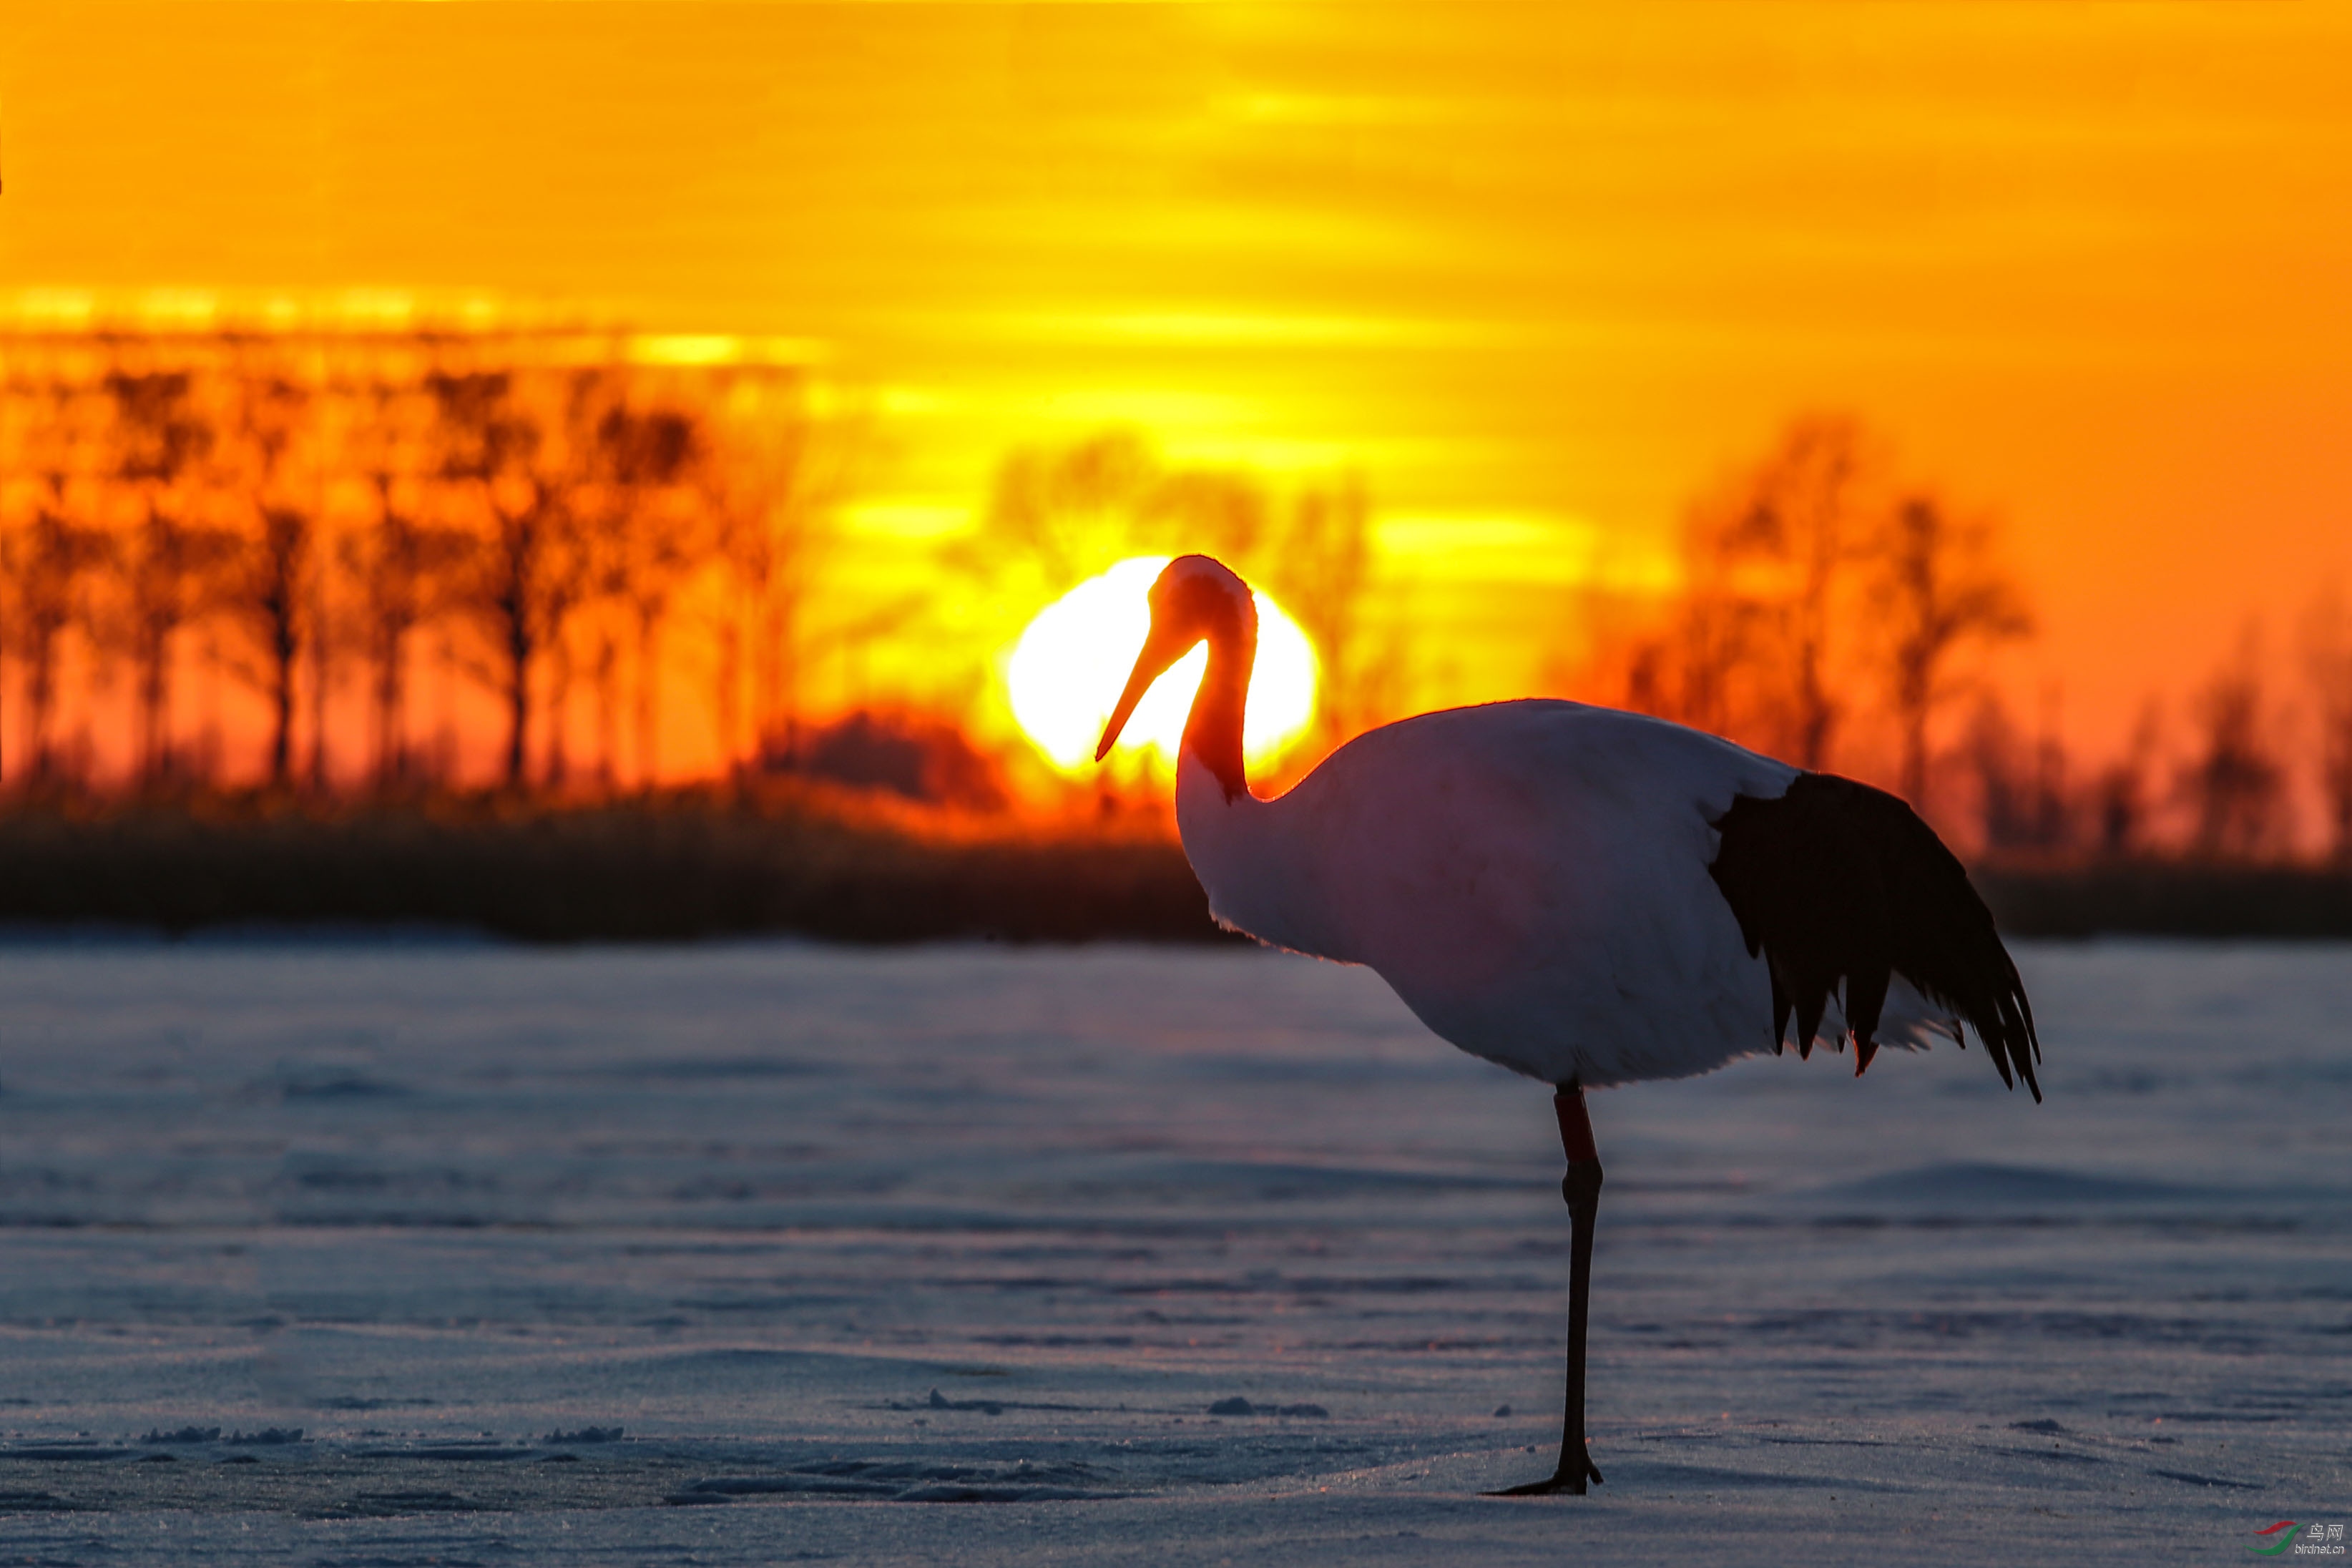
(347, 525)
(1830, 614)
(318, 516)
(2212, 776)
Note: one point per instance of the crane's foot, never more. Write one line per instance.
(1569, 1478)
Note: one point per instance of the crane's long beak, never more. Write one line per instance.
(1160, 649)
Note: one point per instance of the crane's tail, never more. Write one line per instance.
(1909, 1022)
(1835, 881)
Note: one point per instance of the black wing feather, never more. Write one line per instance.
(1836, 881)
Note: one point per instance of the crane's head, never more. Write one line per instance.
(1196, 598)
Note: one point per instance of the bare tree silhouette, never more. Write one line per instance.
(1805, 578)
(1936, 587)
(1067, 511)
(2326, 638)
(1063, 513)
(398, 564)
(1748, 647)
(53, 428)
(778, 476)
(50, 564)
(514, 458)
(2235, 784)
(1226, 513)
(1798, 523)
(1706, 665)
(2122, 797)
(267, 591)
(1319, 569)
(645, 462)
(168, 558)
(2023, 802)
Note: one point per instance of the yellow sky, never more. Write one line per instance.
(1537, 272)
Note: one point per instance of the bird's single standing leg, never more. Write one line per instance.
(1582, 1188)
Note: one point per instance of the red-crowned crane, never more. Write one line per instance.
(1586, 897)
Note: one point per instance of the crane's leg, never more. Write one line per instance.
(1582, 1188)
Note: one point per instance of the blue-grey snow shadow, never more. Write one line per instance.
(914, 1480)
(1976, 1190)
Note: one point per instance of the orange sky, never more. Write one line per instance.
(1538, 272)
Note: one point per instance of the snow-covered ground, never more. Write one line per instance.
(746, 1253)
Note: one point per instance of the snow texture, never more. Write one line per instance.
(349, 1253)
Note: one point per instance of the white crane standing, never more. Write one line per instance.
(1588, 897)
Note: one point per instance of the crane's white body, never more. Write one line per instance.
(1532, 878)
(1553, 887)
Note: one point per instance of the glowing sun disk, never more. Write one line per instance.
(1070, 665)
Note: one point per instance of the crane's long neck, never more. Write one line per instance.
(1252, 860)
(1213, 733)
(1255, 865)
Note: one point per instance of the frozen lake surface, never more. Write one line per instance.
(389, 1254)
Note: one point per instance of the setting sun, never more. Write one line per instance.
(1065, 673)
